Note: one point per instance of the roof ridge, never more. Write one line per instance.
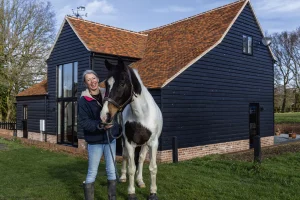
(108, 26)
(185, 19)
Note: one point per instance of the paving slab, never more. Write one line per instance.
(284, 138)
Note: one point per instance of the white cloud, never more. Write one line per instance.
(99, 7)
(277, 15)
(66, 10)
(279, 6)
(97, 10)
(173, 9)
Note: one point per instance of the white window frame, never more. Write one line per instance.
(247, 45)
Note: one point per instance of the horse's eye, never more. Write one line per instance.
(122, 84)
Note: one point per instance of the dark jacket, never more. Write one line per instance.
(89, 119)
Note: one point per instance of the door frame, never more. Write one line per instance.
(25, 121)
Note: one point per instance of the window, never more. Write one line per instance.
(25, 115)
(247, 44)
(67, 83)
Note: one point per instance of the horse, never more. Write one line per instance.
(142, 120)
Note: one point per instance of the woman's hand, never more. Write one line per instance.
(108, 126)
(105, 126)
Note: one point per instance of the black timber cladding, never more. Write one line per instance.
(209, 102)
(35, 111)
(98, 65)
(68, 49)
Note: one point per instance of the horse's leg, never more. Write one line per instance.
(124, 165)
(153, 170)
(139, 173)
(131, 171)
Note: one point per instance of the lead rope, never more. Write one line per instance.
(112, 156)
(108, 132)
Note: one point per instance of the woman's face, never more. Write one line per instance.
(91, 82)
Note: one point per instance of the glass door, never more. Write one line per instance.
(24, 121)
(67, 123)
(67, 81)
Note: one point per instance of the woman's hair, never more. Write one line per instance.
(89, 71)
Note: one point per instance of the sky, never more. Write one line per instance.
(138, 15)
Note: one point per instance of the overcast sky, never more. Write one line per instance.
(138, 15)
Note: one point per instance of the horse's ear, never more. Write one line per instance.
(121, 64)
(137, 89)
(108, 66)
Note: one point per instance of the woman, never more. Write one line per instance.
(90, 105)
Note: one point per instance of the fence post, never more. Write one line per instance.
(257, 149)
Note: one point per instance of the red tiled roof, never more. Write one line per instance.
(109, 40)
(164, 51)
(37, 89)
(172, 47)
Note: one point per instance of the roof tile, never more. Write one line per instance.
(37, 89)
(109, 40)
(170, 48)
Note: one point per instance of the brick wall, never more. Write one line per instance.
(6, 132)
(19, 133)
(267, 141)
(37, 136)
(219, 148)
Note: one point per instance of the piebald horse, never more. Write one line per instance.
(142, 120)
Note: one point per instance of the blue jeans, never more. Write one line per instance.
(95, 152)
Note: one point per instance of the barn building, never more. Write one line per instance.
(210, 74)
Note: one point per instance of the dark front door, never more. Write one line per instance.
(253, 122)
(24, 122)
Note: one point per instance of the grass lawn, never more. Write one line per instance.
(32, 173)
(291, 117)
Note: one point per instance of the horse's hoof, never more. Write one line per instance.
(140, 184)
(132, 197)
(152, 196)
(123, 180)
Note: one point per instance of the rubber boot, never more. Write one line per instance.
(111, 189)
(88, 190)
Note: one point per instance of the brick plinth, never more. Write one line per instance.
(38, 136)
(219, 148)
(7, 132)
(267, 141)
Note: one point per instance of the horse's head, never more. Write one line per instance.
(121, 84)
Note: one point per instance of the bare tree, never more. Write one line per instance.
(295, 56)
(27, 31)
(281, 47)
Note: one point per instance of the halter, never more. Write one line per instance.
(129, 100)
(120, 107)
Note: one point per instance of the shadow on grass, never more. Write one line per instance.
(72, 175)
